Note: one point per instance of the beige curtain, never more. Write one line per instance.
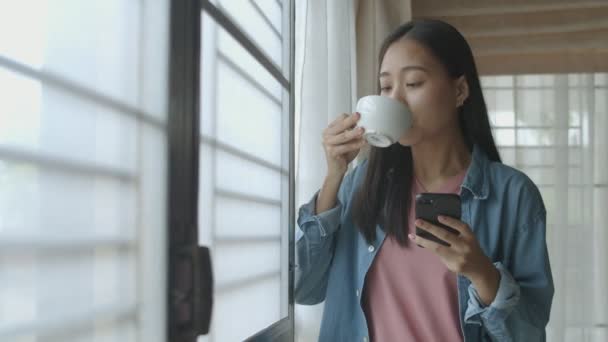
(375, 19)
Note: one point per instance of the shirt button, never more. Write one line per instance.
(365, 339)
(370, 248)
(358, 293)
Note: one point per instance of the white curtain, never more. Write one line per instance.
(326, 83)
(553, 127)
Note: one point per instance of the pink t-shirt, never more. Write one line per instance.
(409, 294)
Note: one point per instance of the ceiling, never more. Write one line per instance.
(528, 36)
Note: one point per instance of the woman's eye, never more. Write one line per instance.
(414, 84)
(385, 88)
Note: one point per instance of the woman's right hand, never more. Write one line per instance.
(342, 142)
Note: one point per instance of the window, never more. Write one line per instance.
(83, 88)
(246, 165)
(553, 127)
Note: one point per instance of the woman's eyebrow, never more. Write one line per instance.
(405, 68)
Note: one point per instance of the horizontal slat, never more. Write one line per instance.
(541, 147)
(237, 285)
(535, 127)
(246, 119)
(81, 92)
(247, 198)
(244, 240)
(62, 245)
(543, 62)
(573, 227)
(551, 165)
(226, 60)
(242, 37)
(513, 24)
(53, 324)
(524, 31)
(237, 218)
(576, 186)
(572, 167)
(241, 154)
(585, 88)
(63, 164)
(523, 147)
(254, 305)
(235, 263)
(540, 43)
(255, 5)
(235, 174)
(434, 8)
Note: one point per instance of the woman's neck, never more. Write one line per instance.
(439, 159)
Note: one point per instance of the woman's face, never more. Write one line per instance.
(410, 73)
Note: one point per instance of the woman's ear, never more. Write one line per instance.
(462, 90)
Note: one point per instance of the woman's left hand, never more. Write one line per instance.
(464, 255)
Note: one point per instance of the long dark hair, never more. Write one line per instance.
(385, 195)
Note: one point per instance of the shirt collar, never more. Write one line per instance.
(476, 179)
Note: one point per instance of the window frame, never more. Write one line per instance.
(190, 281)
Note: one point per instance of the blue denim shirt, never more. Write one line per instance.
(505, 211)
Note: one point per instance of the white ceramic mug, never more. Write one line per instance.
(385, 120)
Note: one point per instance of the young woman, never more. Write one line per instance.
(357, 249)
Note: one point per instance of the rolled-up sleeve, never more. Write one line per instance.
(326, 223)
(315, 244)
(525, 292)
(506, 299)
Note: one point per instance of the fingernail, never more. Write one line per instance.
(411, 236)
(441, 217)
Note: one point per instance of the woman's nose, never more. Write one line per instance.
(398, 94)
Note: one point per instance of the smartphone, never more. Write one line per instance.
(430, 205)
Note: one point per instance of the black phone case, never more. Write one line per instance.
(430, 205)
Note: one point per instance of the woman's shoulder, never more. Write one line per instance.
(510, 175)
(515, 184)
